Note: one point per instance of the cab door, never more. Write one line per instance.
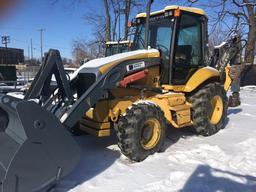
(188, 52)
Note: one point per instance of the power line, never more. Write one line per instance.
(21, 41)
(38, 44)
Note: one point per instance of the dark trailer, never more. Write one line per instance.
(9, 58)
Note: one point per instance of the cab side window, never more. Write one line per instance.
(188, 52)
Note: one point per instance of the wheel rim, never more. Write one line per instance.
(217, 110)
(150, 134)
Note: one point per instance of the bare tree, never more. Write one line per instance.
(130, 5)
(108, 20)
(84, 50)
(233, 15)
(119, 8)
(104, 23)
(217, 37)
(116, 11)
(251, 19)
(127, 11)
(79, 50)
(104, 26)
(113, 10)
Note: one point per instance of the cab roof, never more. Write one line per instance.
(116, 42)
(174, 7)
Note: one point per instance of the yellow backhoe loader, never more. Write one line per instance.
(164, 80)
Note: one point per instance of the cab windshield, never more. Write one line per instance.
(160, 37)
(160, 34)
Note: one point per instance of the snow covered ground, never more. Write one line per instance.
(225, 162)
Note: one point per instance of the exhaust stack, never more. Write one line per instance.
(147, 23)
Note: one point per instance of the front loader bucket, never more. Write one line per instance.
(35, 149)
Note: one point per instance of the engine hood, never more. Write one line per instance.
(105, 63)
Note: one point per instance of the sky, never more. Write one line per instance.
(63, 23)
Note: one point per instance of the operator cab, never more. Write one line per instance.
(115, 47)
(180, 34)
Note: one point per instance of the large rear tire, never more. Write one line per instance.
(141, 131)
(209, 109)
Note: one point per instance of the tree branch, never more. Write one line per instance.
(243, 4)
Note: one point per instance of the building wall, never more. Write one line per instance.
(11, 56)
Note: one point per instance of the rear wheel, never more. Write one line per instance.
(209, 109)
(141, 131)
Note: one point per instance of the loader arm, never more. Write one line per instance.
(41, 86)
(60, 99)
(67, 108)
(106, 82)
(35, 139)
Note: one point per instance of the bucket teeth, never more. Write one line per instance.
(36, 150)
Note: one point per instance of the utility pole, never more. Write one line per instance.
(28, 52)
(41, 37)
(6, 40)
(31, 47)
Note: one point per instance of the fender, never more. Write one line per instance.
(199, 77)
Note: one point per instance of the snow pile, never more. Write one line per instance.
(223, 162)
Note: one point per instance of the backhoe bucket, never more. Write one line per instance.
(35, 149)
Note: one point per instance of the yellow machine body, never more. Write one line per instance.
(172, 99)
(173, 102)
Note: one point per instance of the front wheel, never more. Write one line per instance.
(141, 131)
